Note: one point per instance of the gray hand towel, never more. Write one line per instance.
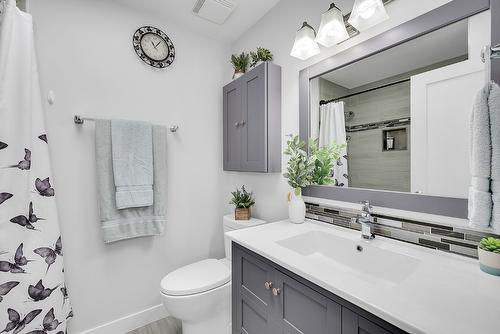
(480, 201)
(494, 108)
(132, 150)
(132, 222)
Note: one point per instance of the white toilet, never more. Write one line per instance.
(199, 294)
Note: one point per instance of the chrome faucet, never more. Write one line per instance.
(367, 221)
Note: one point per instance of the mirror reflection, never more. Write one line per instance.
(404, 126)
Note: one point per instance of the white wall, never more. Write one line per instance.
(86, 57)
(276, 31)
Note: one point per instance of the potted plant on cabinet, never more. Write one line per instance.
(243, 201)
(260, 55)
(489, 256)
(240, 64)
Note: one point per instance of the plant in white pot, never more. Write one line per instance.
(304, 170)
(240, 64)
(489, 256)
(299, 172)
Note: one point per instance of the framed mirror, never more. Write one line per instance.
(400, 103)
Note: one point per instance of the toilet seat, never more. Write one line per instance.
(195, 278)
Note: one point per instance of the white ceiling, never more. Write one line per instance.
(441, 45)
(246, 14)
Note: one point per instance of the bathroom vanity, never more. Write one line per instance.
(317, 278)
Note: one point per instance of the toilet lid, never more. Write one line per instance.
(195, 278)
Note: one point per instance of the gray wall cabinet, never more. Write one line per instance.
(268, 299)
(252, 121)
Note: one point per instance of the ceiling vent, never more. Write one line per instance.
(216, 11)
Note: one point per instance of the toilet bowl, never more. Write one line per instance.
(199, 294)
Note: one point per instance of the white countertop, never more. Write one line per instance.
(446, 293)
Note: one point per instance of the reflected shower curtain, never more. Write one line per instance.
(33, 296)
(332, 130)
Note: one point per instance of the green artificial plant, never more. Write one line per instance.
(300, 167)
(240, 62)
(324, 160)
(242, 198)
(261, 54)
(490, 245)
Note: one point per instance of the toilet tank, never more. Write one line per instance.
(231, 224)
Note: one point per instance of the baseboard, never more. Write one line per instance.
(130, 322)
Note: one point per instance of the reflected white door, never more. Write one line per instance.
(441, 105)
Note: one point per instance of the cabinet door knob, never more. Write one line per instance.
(268, 285)
(237, 124)
(276, 291)
(242, 123)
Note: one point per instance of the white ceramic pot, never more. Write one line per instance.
(489, 262)
(296, 207)
(236, 75)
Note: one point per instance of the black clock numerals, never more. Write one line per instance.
(153, 58)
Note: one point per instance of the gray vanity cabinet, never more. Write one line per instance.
(352, 323)
(267, 299)
(252, 121)
(302, 310)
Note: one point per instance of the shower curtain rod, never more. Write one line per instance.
(80, 120)
(362, 92)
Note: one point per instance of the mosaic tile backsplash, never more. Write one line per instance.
(452, 239)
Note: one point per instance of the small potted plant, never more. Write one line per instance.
(489, 255)
(260, 55)
(243, 201)
(240, 64)
(299, 174)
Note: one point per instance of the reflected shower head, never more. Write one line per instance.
(349, 115)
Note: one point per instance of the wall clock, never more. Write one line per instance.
(153, 47)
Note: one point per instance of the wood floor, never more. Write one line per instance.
(168, 325)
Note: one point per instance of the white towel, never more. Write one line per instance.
(494, 108)
(132, 145)
(480, 201)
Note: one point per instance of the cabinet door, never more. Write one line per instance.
(252, 301)
(232, 117)
(254, 128)
(355, 324)
(304, 311)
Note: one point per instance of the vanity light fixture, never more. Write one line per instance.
(305, 46)
(367, 13)
(332, 29)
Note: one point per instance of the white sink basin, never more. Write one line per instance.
(360, 258)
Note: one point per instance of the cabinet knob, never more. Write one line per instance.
(242, 123)
(268, 285)
(237, 124)
(276, 291)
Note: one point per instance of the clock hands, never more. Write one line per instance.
(155, 45)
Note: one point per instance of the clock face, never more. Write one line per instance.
(154, 47)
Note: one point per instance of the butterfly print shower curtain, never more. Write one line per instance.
(33, 294)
